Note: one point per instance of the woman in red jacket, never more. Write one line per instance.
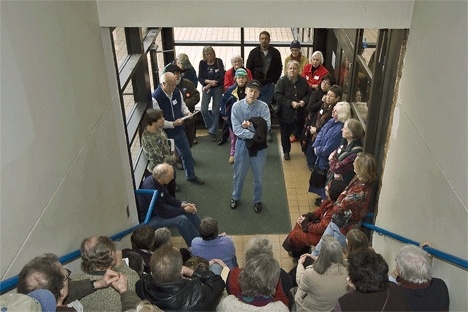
(315, 71)
(310, 226)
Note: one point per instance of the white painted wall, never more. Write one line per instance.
(257, 13)
(62, 145)
(64, 175)
(424, 187)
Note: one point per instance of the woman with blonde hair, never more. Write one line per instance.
(321, 284)
(211, 76)
(353, 204)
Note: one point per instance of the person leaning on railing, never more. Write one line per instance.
(413, 274)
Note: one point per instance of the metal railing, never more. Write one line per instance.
(10, 283)
(459, 262)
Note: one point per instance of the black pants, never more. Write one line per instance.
(286, 129)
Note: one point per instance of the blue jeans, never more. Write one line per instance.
(242, 163)
(187, 224)
(183, 147)
(211, 119)
(266, 93)
(332, 230)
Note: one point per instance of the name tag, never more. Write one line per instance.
(321, 111)
(216, 70)
(316, 77)
(174, 102)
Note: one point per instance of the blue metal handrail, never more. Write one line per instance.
(11, 282)
(437, 253)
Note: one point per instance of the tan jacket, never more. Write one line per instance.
(318, 292)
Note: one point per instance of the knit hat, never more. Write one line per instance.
(19, 303)
(295, 45)
(172, 68)
(240, 72)
(254, 84)
(335, 188)
(45, 298)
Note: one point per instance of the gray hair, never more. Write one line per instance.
(166, 265)
(355, 126)
(260, 276)
(319, 55)
(414, 264)
(209, 228)
(344, 111)
(330, 253)
(293, 62)
(162, 237)
(237, 57)
(258, 245)
(184, 60)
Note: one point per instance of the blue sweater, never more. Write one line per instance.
(328, 140)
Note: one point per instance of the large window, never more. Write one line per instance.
(365, 62)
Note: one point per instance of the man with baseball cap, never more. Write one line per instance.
(251, 121)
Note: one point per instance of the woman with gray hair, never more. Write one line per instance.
(321, 284)
(291, 94)
(258, 282)
(328, 140)
(315, 71)
(261, 246)
(413, 273)
(229, 77)
(186, 69)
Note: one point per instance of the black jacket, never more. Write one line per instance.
(200, 293)
(286, 92)
(255, 64)
(258, 142)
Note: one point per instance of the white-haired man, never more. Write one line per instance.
(413, 274)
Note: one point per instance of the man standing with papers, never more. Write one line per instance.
(170, 100)
(191, 98)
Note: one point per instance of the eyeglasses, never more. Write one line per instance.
(68, 273)
(326, 82)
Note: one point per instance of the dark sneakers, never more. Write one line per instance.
(286, 156)
(196, 180)
(258, 207)
(234, 203)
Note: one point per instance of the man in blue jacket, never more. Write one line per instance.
(168, 211)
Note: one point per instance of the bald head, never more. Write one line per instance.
(168, 82)
(163, 173)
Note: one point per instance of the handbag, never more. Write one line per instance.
(342, 219)
(318, 178)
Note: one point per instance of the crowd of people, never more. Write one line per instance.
(336, 267)
(152, 275)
